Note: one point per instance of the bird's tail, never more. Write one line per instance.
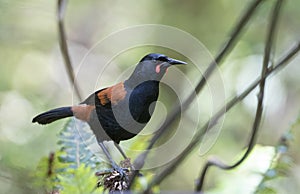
(53, 115)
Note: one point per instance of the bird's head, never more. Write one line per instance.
(153, 67)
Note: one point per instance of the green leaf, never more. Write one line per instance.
(75, 139)
(70, 169)
(47, 170)
(281, 163)
(78, 181)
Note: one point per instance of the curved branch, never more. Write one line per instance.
(259, 109)
(61, 7)
(213, 121)
(229, 45)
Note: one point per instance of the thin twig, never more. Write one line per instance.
(199, 135)
(51, 158)
(259, 109)
(214, 119)
(234, 35)
(61, 7)
(228, 46)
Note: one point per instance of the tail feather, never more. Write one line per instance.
(53, 115)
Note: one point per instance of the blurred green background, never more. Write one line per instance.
(33, 78)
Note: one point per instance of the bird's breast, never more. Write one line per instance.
(129, 115)
(140, 100)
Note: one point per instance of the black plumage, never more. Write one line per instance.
(121, 111)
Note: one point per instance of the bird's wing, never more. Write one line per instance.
(112, 95)
(107, 96)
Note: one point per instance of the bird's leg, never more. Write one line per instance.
(112, 162)
(120, 150)
(123, 154)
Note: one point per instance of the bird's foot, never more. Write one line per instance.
(122, 171)
(116, 180)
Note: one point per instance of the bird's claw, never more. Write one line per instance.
(121, 171)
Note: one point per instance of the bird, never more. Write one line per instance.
(121, 111)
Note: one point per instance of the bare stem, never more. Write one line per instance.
(61, 7)
(259, 109)
(228, 46)
(139, 162)
(213, 121)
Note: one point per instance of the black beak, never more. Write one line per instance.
(176, 62)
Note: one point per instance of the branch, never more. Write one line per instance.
(199, 135)
(259, 109)
(213, 121)
(234, 35)
(283, 61)
(61, 7)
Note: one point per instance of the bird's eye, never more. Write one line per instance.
(162, 58)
